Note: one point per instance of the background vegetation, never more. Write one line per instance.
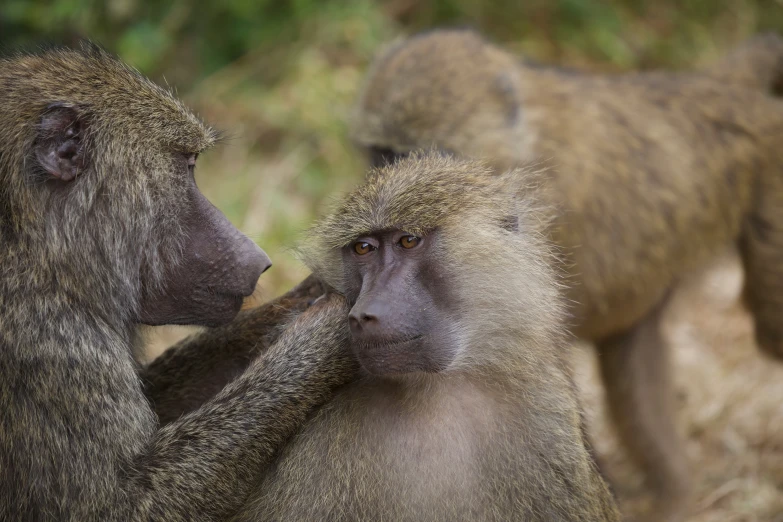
(280, 76)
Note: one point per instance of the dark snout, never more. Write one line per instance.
(249, 263)
(218, 268)
(388, 336)
(371, 320)
(231, 262)
(383, 319)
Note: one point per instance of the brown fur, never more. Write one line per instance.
(191, 372)
(756, 63)
(654, 175)
(79, 440)
(495, 436)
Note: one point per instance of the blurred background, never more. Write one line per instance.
(279, 77)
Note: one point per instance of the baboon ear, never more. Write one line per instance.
(59, 145)
(508, 96)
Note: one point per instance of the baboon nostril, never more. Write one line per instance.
(357, 321)
(353, 322)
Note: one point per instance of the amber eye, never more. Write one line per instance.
(409, 241)
(362, 248)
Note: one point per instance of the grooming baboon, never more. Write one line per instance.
(653, 174)
(465, 409)
(102, 227)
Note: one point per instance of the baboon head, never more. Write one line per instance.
(449, 90)
(425, 244)
(98, 199)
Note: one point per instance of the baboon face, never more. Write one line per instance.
(399, 319)
(448, 90)
(382, 156)
(138, 205)
(218, 268)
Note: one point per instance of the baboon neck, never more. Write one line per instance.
(39, 306)
(53, 323)
(424, 392)
(66, 334)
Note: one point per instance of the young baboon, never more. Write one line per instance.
(102, 227)
(653, 174)
(465, 409)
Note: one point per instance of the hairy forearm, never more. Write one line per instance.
(194, 370)
(204, 462)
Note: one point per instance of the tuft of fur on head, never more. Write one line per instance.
(128, 193)
(492, 231)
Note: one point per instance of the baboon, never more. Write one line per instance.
(756, 63)
(102, 227)
(465, 409)
(653, 174)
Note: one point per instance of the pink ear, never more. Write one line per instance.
(59, 146)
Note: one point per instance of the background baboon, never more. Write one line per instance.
(756, 63)
(465, 409)
(102, 226)
(654, 174)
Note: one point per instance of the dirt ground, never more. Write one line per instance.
(730, 404)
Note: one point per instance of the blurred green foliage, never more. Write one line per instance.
(280, 76)
(197, 38)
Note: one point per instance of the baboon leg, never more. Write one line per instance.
(635, 368)
(761, 246)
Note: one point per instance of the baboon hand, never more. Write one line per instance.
(320, 334)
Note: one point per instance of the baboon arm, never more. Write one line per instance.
(202, 466)
(78, 441)
(194, 370)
